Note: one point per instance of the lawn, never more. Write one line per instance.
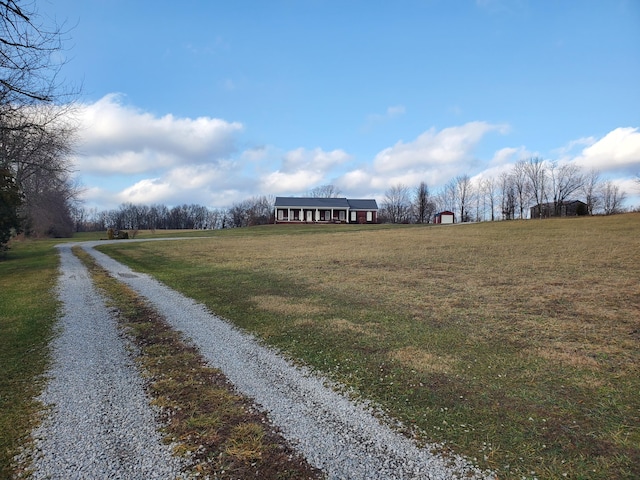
(513, 343)
(27, 316)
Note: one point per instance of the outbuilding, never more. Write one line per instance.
(444, 217)
(571, 208)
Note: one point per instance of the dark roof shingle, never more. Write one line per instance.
(311, 202)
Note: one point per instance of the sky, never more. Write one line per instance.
(213, 102)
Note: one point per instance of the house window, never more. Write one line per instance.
(343, 215)
(280, 214)
(369, 216)
(353, 216)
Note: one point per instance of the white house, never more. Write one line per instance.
(325, 210)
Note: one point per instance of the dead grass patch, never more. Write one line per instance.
(567, 356)
(341, 324)
(246, 442)
(290, 307)
(425, 362)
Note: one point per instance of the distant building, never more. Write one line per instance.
(570, 208)
(325, 210)
(444, 217)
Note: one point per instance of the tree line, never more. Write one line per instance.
(257, 210)
(36, 127)
(529, 182)
(129, 216)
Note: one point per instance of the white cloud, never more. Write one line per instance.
(435, 157)
(569, 149)
(618, 150)
(395, 111)
(433, 148)
(302, 170)
(288, 183)
(200, 184)
(376, 119)
(509, 155)
(147, 191)
(313, 160)
(117, 139)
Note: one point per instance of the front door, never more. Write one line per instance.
(309, 216)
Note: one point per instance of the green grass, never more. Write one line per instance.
(27, 315)
(514, 343)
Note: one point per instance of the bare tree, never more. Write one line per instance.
(423, 205)
(612, 198)
(509, 195)
(447, 197)
(253, 211)
(488, 187)
(325, 191)
(215, 219)
(566, 179)
(35, 134)
(536, 175)
(590, 189)
(396, 205)
(521, 186)
(464, 193)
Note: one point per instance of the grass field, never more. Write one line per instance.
(27, 315)
(513, 343)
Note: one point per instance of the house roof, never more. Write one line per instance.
(551, 204)
(363, 204)
(312, 202)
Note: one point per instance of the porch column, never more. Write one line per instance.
(317, 215)
(288, 214)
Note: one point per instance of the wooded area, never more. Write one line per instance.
(36, 130)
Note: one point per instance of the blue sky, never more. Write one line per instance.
(213, 102)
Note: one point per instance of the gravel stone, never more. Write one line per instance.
(335, 434)
(100, 423)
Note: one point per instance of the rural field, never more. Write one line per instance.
(513, 343)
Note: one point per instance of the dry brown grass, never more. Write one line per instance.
(286, 306)
(418, 359)
(524, 336)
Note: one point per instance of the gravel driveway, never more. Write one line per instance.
(102, 427)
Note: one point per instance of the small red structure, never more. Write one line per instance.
(444, 217)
